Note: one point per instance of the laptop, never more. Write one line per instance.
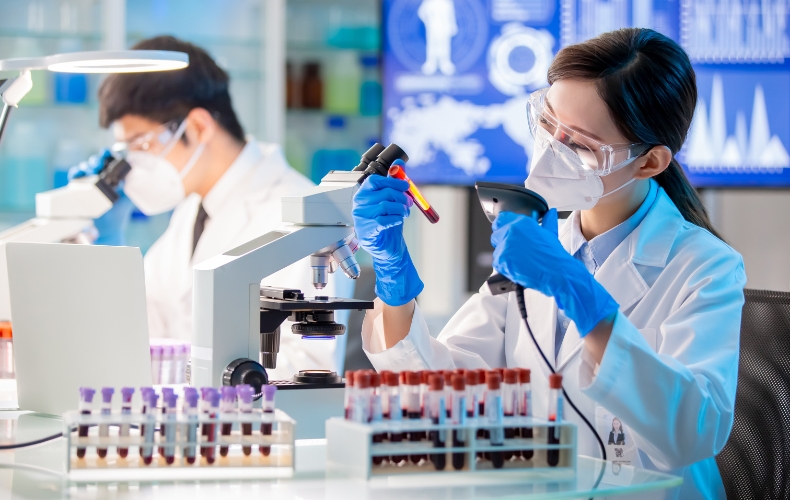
(79, 319)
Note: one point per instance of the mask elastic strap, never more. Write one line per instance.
(618, 189)
(192, 160)
(176, 137)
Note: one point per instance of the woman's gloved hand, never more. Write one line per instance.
(112, 225)
(531, 255)
(380, 206)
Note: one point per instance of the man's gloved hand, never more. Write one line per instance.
(531, 255)
(112, 225)
(380, 206)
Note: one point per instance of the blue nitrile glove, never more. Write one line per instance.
(533, 257)
(380, 206)
(112, 225)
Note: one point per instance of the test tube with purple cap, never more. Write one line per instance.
(166, 392)
(268, 407)
(147, 450)
(191, 411)
(85, 406)
(145, 392)
(227, 409)
(245, 394)
(211, 433)
(169, 433)
(106, 409)
(126, 409)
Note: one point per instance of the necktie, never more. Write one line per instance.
(200, 224)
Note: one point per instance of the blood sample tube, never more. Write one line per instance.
(363, 394)
(268, 409)
(480, 391)
(510, 404)
(404, 401)
(424, 410)
(495, 417)
(470, 378)
(395, 414)
(437, 402)
(414, 411)
(245, 394)
(348, 395)
(205, 404)
(555, 415)
(169, 434)
(211, 433)
(147, 449)
(415, 194)
(85, 406)
(126, 409)
(191, 412)
(376, 412)
(145, 393)
(525, 406)
(227, 409)
(106, 409)
(458, 416)
(166, 392)
(385, 390)
(448, 390)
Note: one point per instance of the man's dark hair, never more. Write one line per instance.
(170, 95)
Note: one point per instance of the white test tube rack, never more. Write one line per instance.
(236, 465)
(350, 448)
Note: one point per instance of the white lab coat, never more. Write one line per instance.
(244, 204)
(670, 368)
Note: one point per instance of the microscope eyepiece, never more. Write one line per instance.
(384, 161)
(369, 156)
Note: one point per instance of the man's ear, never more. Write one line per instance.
(201, 126)
(655, 161)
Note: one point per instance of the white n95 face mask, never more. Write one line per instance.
(559, 175)
(154, 185)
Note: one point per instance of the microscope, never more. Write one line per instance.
(236, 333)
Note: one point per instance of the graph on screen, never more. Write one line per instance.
(585, 19)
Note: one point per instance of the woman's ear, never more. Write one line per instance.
(656, 160)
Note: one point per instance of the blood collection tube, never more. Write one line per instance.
(166, 392)
(169, 434)
(211, 433)
(268, 409)
(437, 403)
(495, 417)
(458, 416)
(555, 415)
(403, 377)
(448, 390)
(191, 412)
(147, 450)
(245, 394)
(145, 393)
(415, 194)
(510, 404)
(348, 395)
(385, 390)
(396, 414)
(480, 392)
(424, 410)
(362, 397)
(376, 411)
(470, 379)
(525, 406)
(106, 409)
(126, 409)
(204, 409)
(227, 409)
(414, 411)
(85, 406)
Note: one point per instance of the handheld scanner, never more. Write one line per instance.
(495, 198)
(396, 171)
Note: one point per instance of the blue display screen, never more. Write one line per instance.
(457, 74)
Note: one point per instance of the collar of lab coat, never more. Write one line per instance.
(648, 245)
(217, 197)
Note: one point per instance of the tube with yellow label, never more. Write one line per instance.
(397, 172)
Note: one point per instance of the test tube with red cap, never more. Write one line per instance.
(268, 407)
(362, 393)
(245, 394)
(437, 408)
(414, 410)
(458, 414)
(169, 434)
(348, 395)
(376, 414)
(190, 409)
(106, 409)
(227, 409)
(525, 406)
(495, 417)
(470, 379)
(396, 413)
(555, 415)
(384, 391)
(448, 390)
(85, 407)
(403, 377)
(397, 172)
(126, 409)
(510, 403)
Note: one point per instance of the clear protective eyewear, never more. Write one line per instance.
(602, 159)
(161, 138)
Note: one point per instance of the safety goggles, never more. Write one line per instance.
(601, 158)
(160, 140)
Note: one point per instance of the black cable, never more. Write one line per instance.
(522, 307)
(30, 443)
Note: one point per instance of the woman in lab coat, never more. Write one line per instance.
(637, 301)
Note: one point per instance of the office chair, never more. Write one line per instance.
(755, 462)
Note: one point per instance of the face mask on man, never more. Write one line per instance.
(154, 185)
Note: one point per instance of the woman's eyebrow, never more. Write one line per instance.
(578, 129)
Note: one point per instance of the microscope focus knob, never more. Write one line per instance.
(245, 371)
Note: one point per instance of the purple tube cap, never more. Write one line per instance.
(153, 397)
(228, 393)
(170, 399)
(106, 394)
(268, 392)
(166, 391)
(191, 397)
(156, 350)
(86, 394)
(245, 393)
(213, 397)
(126, 394)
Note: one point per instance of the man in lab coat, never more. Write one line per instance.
(189, 154)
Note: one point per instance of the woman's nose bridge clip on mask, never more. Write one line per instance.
(495, 198)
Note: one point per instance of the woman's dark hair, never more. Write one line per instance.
(170, 95)
(650, 88)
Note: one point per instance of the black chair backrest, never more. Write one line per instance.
(755, 462)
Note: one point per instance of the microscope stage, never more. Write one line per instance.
(314, 304)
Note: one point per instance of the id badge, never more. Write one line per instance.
(619, 442)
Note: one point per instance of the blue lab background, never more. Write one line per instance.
(570, 21)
